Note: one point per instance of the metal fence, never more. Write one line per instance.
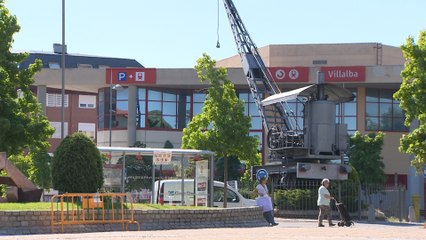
(298, 198)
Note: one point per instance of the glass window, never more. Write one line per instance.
(154, 95)
(218, 195)
(122, 94)
(169, 108)
(86, 101)
(199, 97)
(141, 93)
(197, 105)
(57, 126)
(372, 123)
(372, 95)
(382, 112)
(55, 100)
(372, 109)
(256, 123)
(164, 108)
(169, 121)
(167, 96)
(154, 106)
(197, 108)
(88, 128)
(346, 113)
(253, 109)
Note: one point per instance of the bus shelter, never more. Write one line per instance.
(167, 163)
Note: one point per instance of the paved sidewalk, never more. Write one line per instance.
(287, 229)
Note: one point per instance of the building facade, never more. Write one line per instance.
(119, 103)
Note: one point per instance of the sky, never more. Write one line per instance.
(174, 34)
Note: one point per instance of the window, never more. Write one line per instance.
(57, 127)
(218, 194)
(158, 108)
(55, 100)
(120, 110)
(54, 65)
(250, 109)
(162, 109)
(383, 112)
(87, 101)
(88, 129)
(346, 113)
(197, 106)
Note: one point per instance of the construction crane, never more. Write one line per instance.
(305, 152)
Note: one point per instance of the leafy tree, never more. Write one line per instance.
(222, 126)
(364, 156)
(35, 166)
(22, 124)
(412, 97)
(40, 171)
(77, 165)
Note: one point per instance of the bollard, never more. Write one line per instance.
(416, 204)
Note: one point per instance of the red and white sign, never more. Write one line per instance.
(290, 74)
(344, 74)
(162, 158)
(131, 76)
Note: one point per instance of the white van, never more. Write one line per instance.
(170, 192)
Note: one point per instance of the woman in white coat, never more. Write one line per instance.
(264, 200)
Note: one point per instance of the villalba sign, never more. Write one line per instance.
(344, 74)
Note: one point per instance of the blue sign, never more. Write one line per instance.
(261, 173)
(122, 76)
(424, 171)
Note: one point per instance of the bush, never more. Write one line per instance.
(296, 199)
(77, 165)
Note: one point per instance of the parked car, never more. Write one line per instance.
(170, 192)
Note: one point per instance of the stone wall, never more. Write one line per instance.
(39, 222)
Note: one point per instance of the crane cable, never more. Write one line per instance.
(217, 30)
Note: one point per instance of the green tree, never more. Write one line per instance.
(222, 126)
(35, 166)
(364, 156)
(77, 165)
(412, 97)
(22, 124)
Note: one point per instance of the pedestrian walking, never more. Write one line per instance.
(323, 202)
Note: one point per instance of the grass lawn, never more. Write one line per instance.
(45, 206)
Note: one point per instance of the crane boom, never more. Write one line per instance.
(258, 76)
(305, 152)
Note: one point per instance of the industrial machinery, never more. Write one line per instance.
(312, 151)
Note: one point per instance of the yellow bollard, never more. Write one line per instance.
(416, 205)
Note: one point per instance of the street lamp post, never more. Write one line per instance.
(111, 88)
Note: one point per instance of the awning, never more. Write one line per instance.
(333, 92)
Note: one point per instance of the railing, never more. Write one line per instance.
(92, 208)
(298, 198)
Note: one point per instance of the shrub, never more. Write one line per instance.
(77, 165)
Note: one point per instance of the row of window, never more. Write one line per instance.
(172, 109)
(88, 128)
(84, 101)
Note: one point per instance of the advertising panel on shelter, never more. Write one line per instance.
(131, 76)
